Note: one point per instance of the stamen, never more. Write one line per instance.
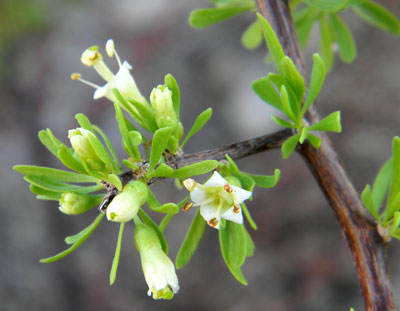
(189, 184)
(228, 188)
(110, 49)
(187, 206)
(77, 76)
(236, 209)
(213, 222)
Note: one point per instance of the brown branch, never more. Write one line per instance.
(359, 230)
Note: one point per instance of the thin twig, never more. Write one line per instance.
(365, 244)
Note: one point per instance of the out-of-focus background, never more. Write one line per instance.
(301, 260)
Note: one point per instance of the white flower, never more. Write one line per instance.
(158, 269)
(122, 80)
(161, 100)
(217, 199)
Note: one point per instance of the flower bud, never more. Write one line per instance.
(126, 204)
(158, 269)
(81, 144)
(72, 203)
(161, 100)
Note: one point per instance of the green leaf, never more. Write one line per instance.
(52, 173)
(327, 5)
(115, 181)
(315, 141)
(52, 185)
(266, 91)
(289, 145)
(163, 170)
(382, 183)
(158, 145)
(252, 36)
(130, 165)
(48, 142)
(206, 17)
(232, 241)
(191, 241)
(249, 245)
(329, 123)
(246, 181)
(70, 161)
(200, 121)
(76, 239)
(286, 105)
(395, 186)
(232, 165)
(378, 16)
(282, 122)
(126, 141)
(84, 122)
(171, 83)
(367, 199)
(344, 39)
(293, 78)
(392, 207)
(317, 80)
(45, 193)
(326, 44)
(304, 25)
(109, 145)
(198, 168)
(102, 153)
(148, 221)
(246, 213)
(114, 267)
(168, 208)
(303, 135)
(272, 41)
(265, 181)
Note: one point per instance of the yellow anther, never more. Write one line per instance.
(75, 76)
(187, 206)
(236, 209)
(213, 222)
(228, 188)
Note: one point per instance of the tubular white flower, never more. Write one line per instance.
(158, 269)
(217, 199)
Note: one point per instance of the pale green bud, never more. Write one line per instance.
(72, 203)
(161, 100)
(126, 204)
(81, 144)
(158, 269)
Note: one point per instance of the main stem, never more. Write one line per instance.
(359, 230)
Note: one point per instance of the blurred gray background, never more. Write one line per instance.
(301, 261)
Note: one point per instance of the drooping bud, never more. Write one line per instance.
(72, 203)
(158, 269)
(161, 100)
(126, 204)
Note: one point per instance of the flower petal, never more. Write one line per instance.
(240, 194)
(232, 216)
(198, 195)
(216, 180)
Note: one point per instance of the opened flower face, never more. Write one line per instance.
(217, 199)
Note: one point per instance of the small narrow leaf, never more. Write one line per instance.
(168, 208)
(347, 47)
(304, 25)
(101, 152)
(163, 170)
(289, 145)
(395, 186)
(382, 183)
(70, 161)
(246, 181)
(77, 239)
(198, 168)
(171, 83)
(317, 80)
(326, 44)
(158, 145)
(252, 36)
(287, 109)
(315, 141)
(114, 267)
(52, 185)
(246, 213)
(266, 91)
(206, 17)
(265, 181)
(52, 173)
(84, 122)
(44, 192)
(366, 198)
(282, 122)
(330, 123)
(274, 46)
(376, 15)
(303, 135)
(200, 121)
(130, 165)
(115, 180)
(232, 165)
(191, 241)
(48, 143)
(249, 245)
(109, 145)
(293, 77)
(327, 5)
